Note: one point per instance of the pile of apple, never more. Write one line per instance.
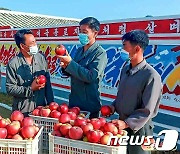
(96, 130)
(54, 110)
(18, 127)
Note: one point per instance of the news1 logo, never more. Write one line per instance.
(167, 144)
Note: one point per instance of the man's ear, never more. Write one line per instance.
(138, 48)
(21, 46)
(95, 34)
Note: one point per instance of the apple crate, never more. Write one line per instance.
(10, 146)
(48, 124)
(60, 145)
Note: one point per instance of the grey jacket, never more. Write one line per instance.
(87, 71)
(19, 76)
(139, 95)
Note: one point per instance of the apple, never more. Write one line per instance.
(17, 116)
(75, 133)
(64, 118)
(56, 133)
(106, 110)
(0, 117)
(28, 132)
(60, 50)
(96, 123)
(72, 115)
(79, 121)
(36, 128)
(57, 126)
(13, 128)
(3, 123)
(64, 129)
(102, 120)
(27, 121)
(86, 127)
(100, 133)
(53, 106)
(3, 133)
(93, 136)
(122, 132)
(36, 112)
(110, 127)
(17, 137)
(104, 139)
(55, 114)
(45, 112)
(63, 108)
(41, 79)
(75, 110)
(9, 136)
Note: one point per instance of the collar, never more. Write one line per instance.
(91, 48)
(138, 67)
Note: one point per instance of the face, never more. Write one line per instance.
(132, 49)
(87, 30)
(29, 42)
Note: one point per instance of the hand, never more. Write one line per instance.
(120, 124)
(112, 109)
(35, 86)
(65, 60)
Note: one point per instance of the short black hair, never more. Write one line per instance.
(92, 22)
(137, 37)
(19, 36)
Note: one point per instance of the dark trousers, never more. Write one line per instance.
(147, 130)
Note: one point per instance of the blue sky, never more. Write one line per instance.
(101, 9)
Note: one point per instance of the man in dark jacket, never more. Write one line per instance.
(86, 69)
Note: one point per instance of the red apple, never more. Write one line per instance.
(103, 121)
(86, 127)
(57, 126)
(3, 123)
(60, 50)
(17, 137)
(75, 133)
(28, 121)
(28, 132)
(72, 115)
(56, 133)
(45, 112)
(36, 112)
(55, 114)
(36, 128)
(100, 133)
(93, 136)
(64, 118)
(109, 127)
(75, 110)
(106, 110)
(41, 79)
(9, 136)
(17, 116)
(53, 106)
(79, 121)
(13, 128)
(63, 108)
(64, 129)
(3, 133)
(96, 123)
